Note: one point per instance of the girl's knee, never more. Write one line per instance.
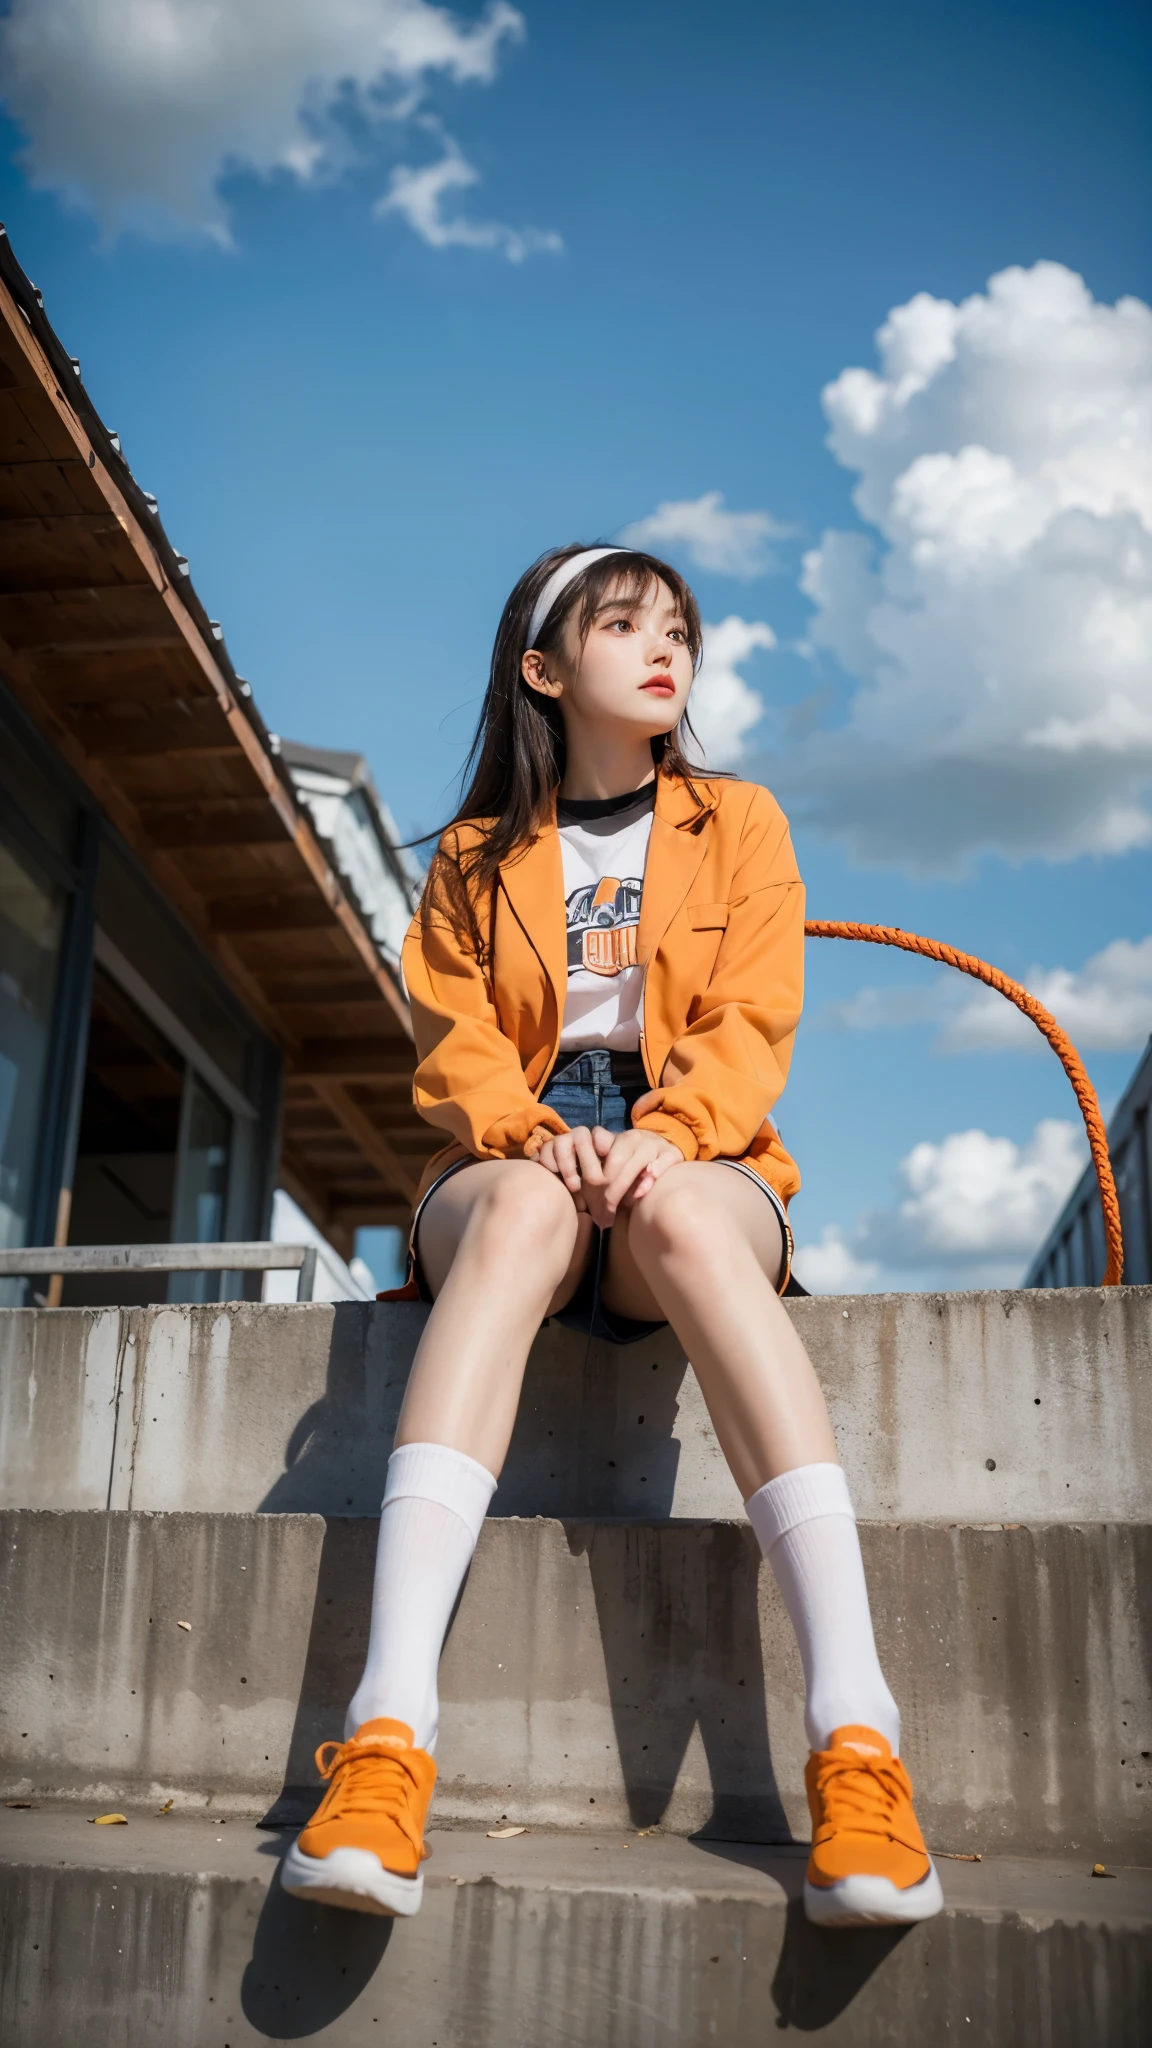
(523, 1209)
(674, 1220)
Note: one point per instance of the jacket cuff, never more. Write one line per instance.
(508, 1138)
(536, 1140)
(664, 1126)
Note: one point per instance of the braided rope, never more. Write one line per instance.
(1062, 1046)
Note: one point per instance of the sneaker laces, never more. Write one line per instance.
(368, 1773)
(861, 1793)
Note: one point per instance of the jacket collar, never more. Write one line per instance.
(533, 877)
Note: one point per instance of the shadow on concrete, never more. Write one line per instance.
(595, 1429)
(333, 1662)
(309, 1964)
(679, 1618)
(820, 1969)
(336, 1457)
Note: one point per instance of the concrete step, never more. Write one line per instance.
(979, 1407)
(176, 1932)
(596, 1675)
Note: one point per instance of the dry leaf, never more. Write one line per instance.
(959, 1855)
(185, 1624)
(167, 1806)
(502, 1834)
(109, 1820)
(20, 1805)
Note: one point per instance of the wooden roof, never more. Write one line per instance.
(107, 646)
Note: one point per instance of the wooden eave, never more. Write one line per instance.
(106, 645)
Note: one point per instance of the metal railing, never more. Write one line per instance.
(164, 1258)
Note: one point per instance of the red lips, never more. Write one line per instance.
(660, 686)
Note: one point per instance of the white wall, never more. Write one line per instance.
(334, 1280)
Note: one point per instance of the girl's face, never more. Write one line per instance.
(633, 672)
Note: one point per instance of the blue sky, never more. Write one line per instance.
(362, 420)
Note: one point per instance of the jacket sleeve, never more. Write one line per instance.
(723, 1074)
(468, 1081)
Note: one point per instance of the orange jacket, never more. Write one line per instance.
(721, 938)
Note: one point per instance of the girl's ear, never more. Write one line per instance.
(534, 670)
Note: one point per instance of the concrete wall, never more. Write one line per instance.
(946, 1407)
(175, 1941)
(596, 1675)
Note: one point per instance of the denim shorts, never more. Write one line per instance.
(602, 1088)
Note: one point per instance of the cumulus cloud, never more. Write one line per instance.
(136, 110)
(976, 1208)
(1105, 1006)
(997, 620)
(723, 707)
(711, 537)
(831, 1267)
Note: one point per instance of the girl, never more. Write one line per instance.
(605, 978)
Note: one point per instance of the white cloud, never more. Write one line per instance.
(710, 536)
(976, 1209)
(136, 110)
(418, 196)
(1106, 1006)
(999, 622)
(831, 1267)
(723, 707)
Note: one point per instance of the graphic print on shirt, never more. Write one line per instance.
(603, 920)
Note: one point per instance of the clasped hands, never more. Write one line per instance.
(604, 1171)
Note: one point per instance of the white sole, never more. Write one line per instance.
(873, 1901)
(352, 1878)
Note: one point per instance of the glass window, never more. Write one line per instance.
(201, 1185)
(31, 925)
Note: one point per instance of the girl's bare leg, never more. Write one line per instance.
(502, 1246)
(703, 1249)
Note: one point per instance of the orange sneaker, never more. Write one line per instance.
(364, 1844)
(868, 1864)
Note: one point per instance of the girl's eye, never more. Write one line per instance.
(624, 624)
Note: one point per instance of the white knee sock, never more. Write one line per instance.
(807, 1530)
(435, 1501)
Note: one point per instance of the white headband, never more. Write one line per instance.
(560, 579)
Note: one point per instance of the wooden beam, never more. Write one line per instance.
(269, 912)
(118, 643)
(334, 1059)
(211, 821)
(371, 1142)
(44, 525)
(396, 1087)
(327, 994)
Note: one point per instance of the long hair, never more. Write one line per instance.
(516, 761)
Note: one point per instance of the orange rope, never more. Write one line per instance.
(1062, 1046)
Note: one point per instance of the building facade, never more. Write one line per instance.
(1073, 1253)
(199, 928)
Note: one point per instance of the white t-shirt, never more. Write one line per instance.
(604, 859)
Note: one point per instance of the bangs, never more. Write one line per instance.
(623, 579)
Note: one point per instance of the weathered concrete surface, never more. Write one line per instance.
(175, 1934)
(293, 1408)
(597, 1675)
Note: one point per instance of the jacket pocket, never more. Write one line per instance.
(707, 917)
